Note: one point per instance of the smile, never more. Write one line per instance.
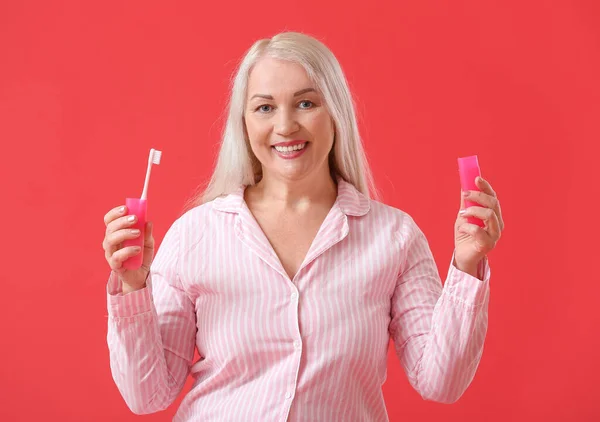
(290, 152)
(290, 149)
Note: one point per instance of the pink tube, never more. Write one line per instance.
(468, 169)
(138, 207)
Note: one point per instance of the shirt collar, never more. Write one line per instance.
(349, 199)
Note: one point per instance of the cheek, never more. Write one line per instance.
(255, 130)
(322, 128)
(257, 137)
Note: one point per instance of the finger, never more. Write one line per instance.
(489, 218)
(148, 233)
(485, 186)
(121, 235)
(120, 223)
(116, 212)
(488, 201)
(486, 197)
(113, 241)
(148, 247)
(483, 240)
(120, 256)
(498, 212)
(482, 198)
(108, 255)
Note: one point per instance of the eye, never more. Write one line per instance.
(307, 102)
(261, 108)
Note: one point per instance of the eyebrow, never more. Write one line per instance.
(270, 97)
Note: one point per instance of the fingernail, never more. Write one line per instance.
(121, 210)
(462, 212)
(465, 193)
(131, 218)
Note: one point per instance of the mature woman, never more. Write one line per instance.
(286, 276)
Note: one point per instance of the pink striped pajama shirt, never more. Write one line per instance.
(313, 348)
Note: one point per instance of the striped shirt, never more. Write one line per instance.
(313, 348)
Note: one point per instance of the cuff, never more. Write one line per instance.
(130, 304)
(466, 288)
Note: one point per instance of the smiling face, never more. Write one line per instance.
(284, 107)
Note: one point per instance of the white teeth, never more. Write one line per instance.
(290, 149)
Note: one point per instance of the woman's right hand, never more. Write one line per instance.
(117, 230)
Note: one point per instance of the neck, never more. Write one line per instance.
(296, 195)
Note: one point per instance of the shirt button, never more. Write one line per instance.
(294, 296)
(288, 395)
(297, 345)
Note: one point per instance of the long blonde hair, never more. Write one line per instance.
(237, 164)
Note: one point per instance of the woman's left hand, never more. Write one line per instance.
(471, 242)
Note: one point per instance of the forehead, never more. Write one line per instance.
(269, 76)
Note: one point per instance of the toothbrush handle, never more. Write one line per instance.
(138, 207)
(468, 169)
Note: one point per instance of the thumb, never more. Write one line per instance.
(148, 246)
(148, 239)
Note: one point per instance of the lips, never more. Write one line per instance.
(289, 143)
(291, 154)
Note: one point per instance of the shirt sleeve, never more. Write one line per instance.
(438, 331)
(151, 333)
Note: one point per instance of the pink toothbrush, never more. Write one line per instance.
(468, 168)
(139, 207)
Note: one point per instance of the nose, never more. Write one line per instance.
(285, 123)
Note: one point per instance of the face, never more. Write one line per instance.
(284, 107)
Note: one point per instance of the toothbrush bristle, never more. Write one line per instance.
(156, 156)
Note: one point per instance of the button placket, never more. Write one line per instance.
(295, 337)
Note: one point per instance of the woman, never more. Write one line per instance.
(287, 277)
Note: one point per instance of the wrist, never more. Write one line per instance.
(126, 288)
(468, 268)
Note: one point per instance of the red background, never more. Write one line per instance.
(87, 88)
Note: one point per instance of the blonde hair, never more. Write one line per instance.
(236, 163)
